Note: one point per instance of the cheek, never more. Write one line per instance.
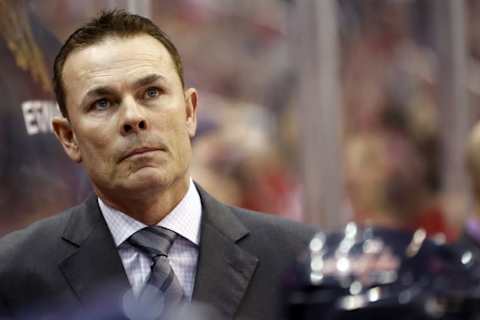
(180, 131)
(95, 146)
(97, 142)
(174, 124)
(179, 142)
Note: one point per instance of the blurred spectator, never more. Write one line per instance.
(239, 161)
(391, 117)
(36, 176)
(471, 230)
(385, 178)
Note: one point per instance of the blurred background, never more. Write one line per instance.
(319, 111)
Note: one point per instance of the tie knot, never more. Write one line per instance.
(153, 240)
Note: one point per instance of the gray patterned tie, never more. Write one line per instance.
(155, 242)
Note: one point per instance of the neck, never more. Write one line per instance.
(149, 208)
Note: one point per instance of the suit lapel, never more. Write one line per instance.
(224, 269)
(94, 270)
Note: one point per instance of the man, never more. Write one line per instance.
(128, 119)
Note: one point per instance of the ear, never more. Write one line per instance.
(191, 108)
(63, 130)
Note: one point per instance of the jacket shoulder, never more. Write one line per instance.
(276, 230)
(38, 240)
(261, 226)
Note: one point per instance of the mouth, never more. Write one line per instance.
(139, 151)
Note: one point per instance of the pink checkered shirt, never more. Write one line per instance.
(184, 219)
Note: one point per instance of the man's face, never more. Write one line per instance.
(130, 119)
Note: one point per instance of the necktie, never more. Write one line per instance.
(155, 242)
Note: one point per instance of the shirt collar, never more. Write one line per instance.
(184, 219)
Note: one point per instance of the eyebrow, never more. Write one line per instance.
(106, 90)
(147, 80)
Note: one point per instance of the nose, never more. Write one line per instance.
(134, 120)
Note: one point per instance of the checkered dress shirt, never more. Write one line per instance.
(184, 219)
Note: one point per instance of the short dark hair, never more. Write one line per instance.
(109, 23)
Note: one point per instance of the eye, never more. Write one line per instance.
(101, 104)
(151, 92)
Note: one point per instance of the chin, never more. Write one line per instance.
(151, 179)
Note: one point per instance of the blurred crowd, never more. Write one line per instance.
(393, 149)
(246, 151)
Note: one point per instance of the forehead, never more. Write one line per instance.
(116, 59)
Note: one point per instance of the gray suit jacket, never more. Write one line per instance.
(68, 265)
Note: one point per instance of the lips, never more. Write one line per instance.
(138, 151)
